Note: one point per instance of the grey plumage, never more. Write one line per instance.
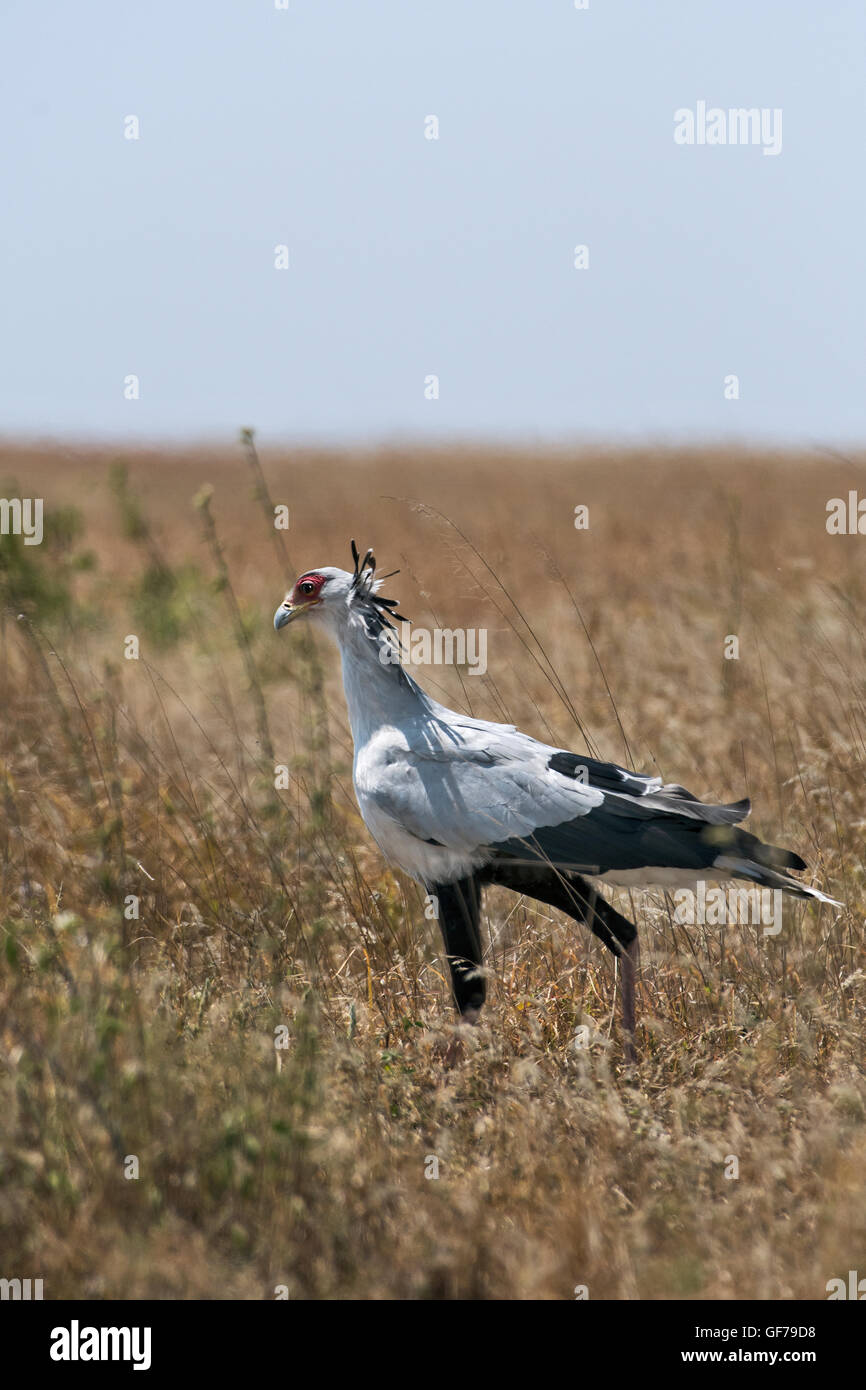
(457, 801)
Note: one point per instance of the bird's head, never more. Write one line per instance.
(333, 597)
(321, 591)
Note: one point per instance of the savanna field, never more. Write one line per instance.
(208, 976)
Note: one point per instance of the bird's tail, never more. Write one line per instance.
(745, 856)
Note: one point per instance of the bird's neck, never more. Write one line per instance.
(379, 692)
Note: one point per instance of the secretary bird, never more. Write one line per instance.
(458, 803)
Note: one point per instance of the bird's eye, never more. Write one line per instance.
(307, 588)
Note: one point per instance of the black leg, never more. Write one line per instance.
(573, 895)
(459, 911)
(629, 963)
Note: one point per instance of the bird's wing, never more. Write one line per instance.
(643, 824)
(639, 794)
(490, 787)
(472, 792)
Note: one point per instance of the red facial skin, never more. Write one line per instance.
(302, 593)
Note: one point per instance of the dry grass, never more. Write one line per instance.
(305, 1167)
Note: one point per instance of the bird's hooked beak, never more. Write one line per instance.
(284, 614)
(288, 611)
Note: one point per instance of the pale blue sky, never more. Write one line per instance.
(409, 256)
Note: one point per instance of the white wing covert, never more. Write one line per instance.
(462, 796)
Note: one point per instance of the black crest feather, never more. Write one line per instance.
(362, 582)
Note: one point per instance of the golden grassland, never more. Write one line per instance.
(266, 914)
